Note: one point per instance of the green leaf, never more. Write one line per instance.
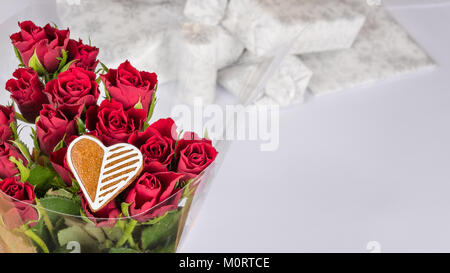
(36, 65)
(94, 231)
(22, 148)
(84, 217)
(114, 233)
(63, 60)
(152, 105)
(35, 140)
(16, 51)
(122, 250)
(138, 105)
(66, 67)
(60, 193)
(188, 189)
(60, 144)
(75, 187)
(20, 117)
(156, 220)
(13, 127)
(107, 95)
(40, 175)
(58, 182)
(43, 179)
(151, 109)
(77, 234)
(81, 127)
(60, 204)
(105, 68)
(24, 171)
(163, 233)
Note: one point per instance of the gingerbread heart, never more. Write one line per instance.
(103, 172)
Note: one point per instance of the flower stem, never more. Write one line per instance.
(33, 236)
(131, 242)
(127, 234)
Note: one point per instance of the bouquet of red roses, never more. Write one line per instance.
(45, 197)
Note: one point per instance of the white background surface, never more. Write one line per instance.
(369, 164)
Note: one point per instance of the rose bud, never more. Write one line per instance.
(150, 190)
(112, 124)
(195, 154)
(7, 116)
(73, 88)
(23, 198)
(85, 55)
(52, 127)
(27, 91)
(106, 217)
(157, 144)
(8, 168)
(129, 86)
(48, 43)
(59, 163)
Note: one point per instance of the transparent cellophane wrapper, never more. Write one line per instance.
(61, 232)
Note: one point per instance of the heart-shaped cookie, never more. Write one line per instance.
(103, 172)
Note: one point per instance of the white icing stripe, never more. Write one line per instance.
(117, 148)
(126, 170)
(105, 185)
(119, 159)
(125, 166)
(122, 149)
(115, 155)
(121, 163)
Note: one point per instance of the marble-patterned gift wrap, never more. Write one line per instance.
(209, 12)
(382, 50)
(137, 30)
(320, 25)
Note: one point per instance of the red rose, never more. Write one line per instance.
(85, 55)
(23, 199)
(48, 43)
(7, 168)
(72, 88)
(195, 154)
(27, 91)
(157, 144)
(7, 116)
(149, 191)
(106, 217)
(128, 86)
(52, 126)
(112, 124)
(59, 163)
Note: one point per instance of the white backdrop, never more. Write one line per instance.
(369, 164)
